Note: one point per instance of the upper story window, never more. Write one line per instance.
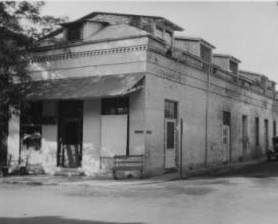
(170, 109)
(74, 33)
(233, 67)
(159, 32)
(205, 53)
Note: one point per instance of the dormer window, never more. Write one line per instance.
(233, 67)
(205, 53)
(159, 33)
(74, 33)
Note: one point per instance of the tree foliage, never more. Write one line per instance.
(21, 24)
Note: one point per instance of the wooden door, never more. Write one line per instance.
(170, 143)
(226, 143)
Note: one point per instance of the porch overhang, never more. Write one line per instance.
(86, 87)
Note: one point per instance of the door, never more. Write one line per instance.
(70, 134)
(244, 136)
(226, 142)
(170, 143)
(266, 134)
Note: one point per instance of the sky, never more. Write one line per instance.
(246, 30)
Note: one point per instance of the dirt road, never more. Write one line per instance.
(246, 196)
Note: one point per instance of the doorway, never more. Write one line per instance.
(244, 136)
(226, 136)
(70, 133)
(266, 134)
(170, 138)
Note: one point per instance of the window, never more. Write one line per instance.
(257, 130)
(168, 36)
(233, 67)
(274, 128)
(170, 109)
(226, 118)
(114, 106)
(74, 33)
(159, 32)
(205, 53)
(30, 124)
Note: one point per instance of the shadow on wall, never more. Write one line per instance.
(53, 220)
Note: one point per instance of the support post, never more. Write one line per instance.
(207, 112)
(181, 134)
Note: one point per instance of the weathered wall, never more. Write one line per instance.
(13, 139)
(222, 62)
(102, 58)
(91, 28)
(96, 158)
(191, 107)
(91, 137)
(137, 123)
(49, 148)
(192, 47)
(171, 80)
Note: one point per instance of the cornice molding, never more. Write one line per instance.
(80, 54)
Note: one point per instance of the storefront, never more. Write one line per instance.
(72, 119)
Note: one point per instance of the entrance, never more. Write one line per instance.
(70, 134)
(266, 135)
(226, 136)
(170, 150)
(170, 137)
(244, 136)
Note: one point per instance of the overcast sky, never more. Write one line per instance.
(246, 30)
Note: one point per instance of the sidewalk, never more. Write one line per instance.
(38, 180)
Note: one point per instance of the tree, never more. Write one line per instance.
(21, 25)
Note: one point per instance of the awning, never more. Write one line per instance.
(86, 87)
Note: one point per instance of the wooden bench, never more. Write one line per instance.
(128, 163)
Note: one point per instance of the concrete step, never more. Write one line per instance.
(68, 172)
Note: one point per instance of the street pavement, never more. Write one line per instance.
(243, 196)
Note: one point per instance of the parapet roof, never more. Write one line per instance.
(198, 39)
(227, 56)
(90, 15)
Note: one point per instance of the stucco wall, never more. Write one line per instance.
(91, 137)
(171, 80)
(106, 58)
(137, 123)
(49, 148)
(13, 139)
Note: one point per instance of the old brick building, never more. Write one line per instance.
(116, 84)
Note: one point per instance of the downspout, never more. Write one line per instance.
(128, 128)
(206, 113)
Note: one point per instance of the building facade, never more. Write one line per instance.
(116, 84)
